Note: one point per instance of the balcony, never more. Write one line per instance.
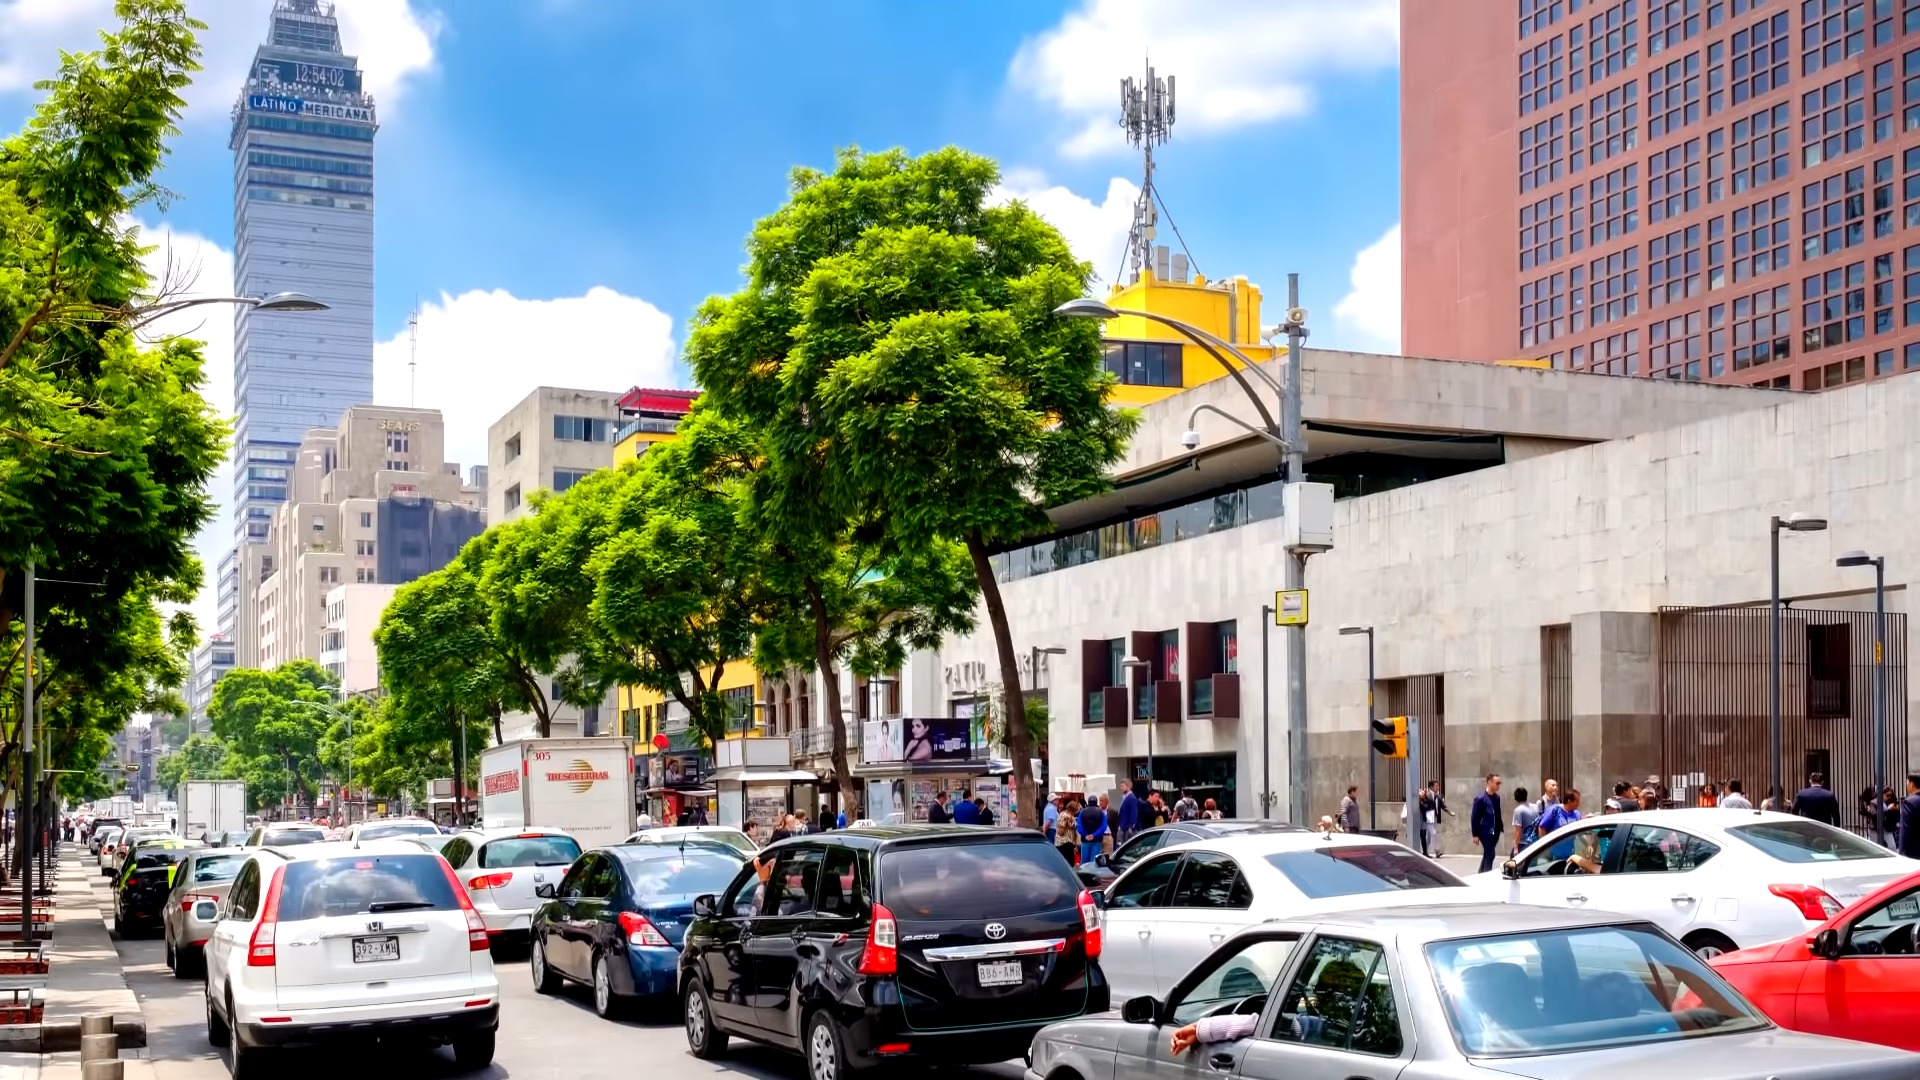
(818, 742)
(645, 423)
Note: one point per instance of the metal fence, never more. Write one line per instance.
(1714, 697)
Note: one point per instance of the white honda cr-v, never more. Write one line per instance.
(336, 941)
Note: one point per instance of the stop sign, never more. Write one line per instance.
(659, 741)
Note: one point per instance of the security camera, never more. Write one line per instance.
(1190, 439)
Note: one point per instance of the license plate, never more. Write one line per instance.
(367, 950)
(1001, 973)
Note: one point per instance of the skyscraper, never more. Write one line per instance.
(302, 145)
(1688, 189)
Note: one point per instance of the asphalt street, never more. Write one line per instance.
(541, 1038)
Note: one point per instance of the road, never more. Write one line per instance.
(541, 1038)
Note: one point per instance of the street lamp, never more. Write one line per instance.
(1790, 523)
(280, 302)
(1127, 668)
(340, 714)
(1879, 564)
(1373, 809)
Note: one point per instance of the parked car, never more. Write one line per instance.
(502, 868)
(320, 943)
(913, 943)
(283, 834)
(1104, 868)
(1718, 880)
(1853, 977)
(720, 835)
(199, 884)
(1455, 992)
(616, 921)
(140, 893)
(386, 828)
(1176, 905)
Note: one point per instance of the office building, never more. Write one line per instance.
(346, 635)
(550, 440)
(208, 664)
(1685, 189)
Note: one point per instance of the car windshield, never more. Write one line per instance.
(1806, 842)
(1553, 991)
(379, 829)
(363, 885)
(1351, 870)
(530, 850)
(213, 869)
(680, 872)
(966, 882)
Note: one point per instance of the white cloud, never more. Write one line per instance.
(393, 40)
(1097, 232)
(1369, 315)
(481, 352)
(1237, 62)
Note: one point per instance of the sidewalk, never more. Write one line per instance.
(84, 979)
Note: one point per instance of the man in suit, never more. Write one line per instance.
(1486, 821)
(1816, 802)
(1908, 835)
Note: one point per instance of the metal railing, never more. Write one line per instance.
(812, 741)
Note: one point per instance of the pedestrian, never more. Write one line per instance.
(697, 813)
(1621, 799)
(1709, 794)
(1155, 812)
(643, 822)
(1908, 832)
(1113, 825)
(1772, 801)
(1129, 811)
(1486, 822)
(840, 820)
(982, 813)
(1549, 794)
(1187, 809)
(825, 820)
(1733, 799)
(1440, 812)
(1816, 802)
(802, 826)
(1526, 821)
(1092, 827)
(1557, 816)
(937, 810)
(1063, 826)
(962, 809)
(1889, 808)
(1050, 814)
(1211, 811)
(1349, 809)
(1422, 820)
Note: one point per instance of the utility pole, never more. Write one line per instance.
(1296, 575)
(29, 781)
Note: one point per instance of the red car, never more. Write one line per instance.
(1852, 977)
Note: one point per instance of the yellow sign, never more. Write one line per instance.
(1390, 737)
(1290, 607)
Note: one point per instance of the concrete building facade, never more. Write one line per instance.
(208, 664)
(346, 635)
(1708, 189)
(550, 440)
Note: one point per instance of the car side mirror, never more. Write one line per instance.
(1141, 1010)
(545, 891)
(705, 906)
(1510, 869)
(1099, 898)
(1101, 860)
(1826, 944)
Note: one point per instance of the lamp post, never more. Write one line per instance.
(339, 713)
(280, 302)
(1128, 667)
(1790, 523)
(1373, 810)
(1879, 564)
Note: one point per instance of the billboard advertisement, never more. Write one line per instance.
(937, 738)
(880, 741)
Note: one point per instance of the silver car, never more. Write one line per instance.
(1452, 992)
(502, 868)
(199, 884)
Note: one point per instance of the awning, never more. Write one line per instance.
(740, 775)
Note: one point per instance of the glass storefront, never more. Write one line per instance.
(1204, 776)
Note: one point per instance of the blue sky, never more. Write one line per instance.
(560, 182)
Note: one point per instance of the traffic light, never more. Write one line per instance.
(1390, 737)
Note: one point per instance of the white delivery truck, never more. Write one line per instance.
(212, 806)
(583, 786)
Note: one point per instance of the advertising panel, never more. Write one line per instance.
(881, 741)
(937, 738)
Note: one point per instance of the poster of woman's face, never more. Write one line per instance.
(919, 741)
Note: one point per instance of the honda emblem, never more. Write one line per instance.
(996, 931)
(375, 927)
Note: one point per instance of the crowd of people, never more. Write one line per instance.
(1085, 831)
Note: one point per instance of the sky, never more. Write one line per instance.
(560, 183)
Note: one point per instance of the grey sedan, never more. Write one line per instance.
(200, 882)
(1452, 992)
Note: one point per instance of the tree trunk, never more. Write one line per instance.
(830, 684)
(1026, 796)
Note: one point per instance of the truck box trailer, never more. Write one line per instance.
(212, 806)
(582, 786)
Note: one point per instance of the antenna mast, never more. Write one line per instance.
(413, 350)
(1146, 112)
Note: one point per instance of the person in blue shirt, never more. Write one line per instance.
(1129, 813)
(1050, 815)
(964, 812)
(1564, 812)
(1092, 828)
(1486, 822)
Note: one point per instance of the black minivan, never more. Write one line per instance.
(942, 943)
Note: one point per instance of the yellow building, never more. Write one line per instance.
(1153, 361)
(643, 712)
(648, 417)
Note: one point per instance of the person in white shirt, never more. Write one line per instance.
(1733, 799)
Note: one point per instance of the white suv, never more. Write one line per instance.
(501, 868)
(332, 941)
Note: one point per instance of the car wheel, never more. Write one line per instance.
(545, 980)
(218, 1033)
(1706, 944)
(609, 1005)
(826, 1058)
(703, 1038)
(474, 1050)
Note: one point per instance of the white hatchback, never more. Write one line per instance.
(1718, 880)
(501, 868)
(325, 942)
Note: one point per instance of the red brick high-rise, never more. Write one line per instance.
(1697, 189)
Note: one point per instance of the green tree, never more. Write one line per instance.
(442, 658)
(201, 757)
(897, 336)
(269, 722)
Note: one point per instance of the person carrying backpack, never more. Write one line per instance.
(1187, 809)
(1526, 821)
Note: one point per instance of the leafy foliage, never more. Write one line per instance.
(272, 723)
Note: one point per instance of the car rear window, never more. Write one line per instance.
(217, 869)
(396, 828)
(1806, 842)
(290, 837)
(970, 881)
(530, 851)
(149, 877)
(680, 872)
(364, 885)
(1349, 871)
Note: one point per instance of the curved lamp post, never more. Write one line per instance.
(284, 302)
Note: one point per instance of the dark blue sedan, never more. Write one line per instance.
(615, 921)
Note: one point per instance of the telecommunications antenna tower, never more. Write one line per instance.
(413, 350)
(1146, 113)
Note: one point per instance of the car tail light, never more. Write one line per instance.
(260, 946)
(1814, 903)
(477, 938)
(489, 881)
(640, 931)
(1091, 915)
(882, 954)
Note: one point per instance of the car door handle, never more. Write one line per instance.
(1145, 934)
(1576, 898)
(1683, 898)
(1217, 936)
(1221, 1063)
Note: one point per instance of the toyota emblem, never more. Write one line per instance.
(996, 931)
